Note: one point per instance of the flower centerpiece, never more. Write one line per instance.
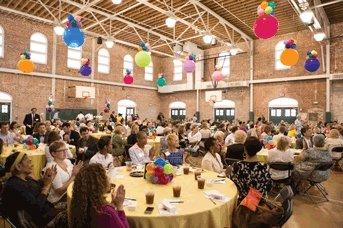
(31, 143)
(159, 172)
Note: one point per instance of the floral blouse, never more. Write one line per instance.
(248, 175)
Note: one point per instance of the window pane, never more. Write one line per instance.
(221, 112)
(232, 112)
(38, 58)
(1, 40)
(103, 60)
(217, 112)
(103, 68)
(287, 112)
(74, 64)
(228, 113)
(37, 47)
(293, 112)
(39, 37)
(278, 112)
(74, 54)
(273, 112)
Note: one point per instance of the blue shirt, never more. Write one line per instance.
(175, 158)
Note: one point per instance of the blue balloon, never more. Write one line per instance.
(312, 64)
(85, 70)
(160, 162)
(73, 37)
(70, 17)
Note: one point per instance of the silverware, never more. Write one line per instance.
(213, 201)
(131, 199)
(176, 201)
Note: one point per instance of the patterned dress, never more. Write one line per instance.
(248, 175)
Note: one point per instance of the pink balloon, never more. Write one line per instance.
(128, 79)
(266, 26)
(217, 76)
(260, 11)
(189, 66)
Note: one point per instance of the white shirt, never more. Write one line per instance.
(194, 138)
(230, 139)
(62, 177)
(205, 133)
(80, 116)
(209, 162)
(276, 155)
(50, 158)
(105, 161)
(277, 137)
(159, 130)
(138, 155)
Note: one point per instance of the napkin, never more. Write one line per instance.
(214, 194)
(217, 181)
(131, 205)
(166, 208)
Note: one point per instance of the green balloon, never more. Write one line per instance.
(168, 169)
(272, 4)
(161, 81)
(143, 58)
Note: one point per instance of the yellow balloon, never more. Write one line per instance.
(25, 65)
(264, 5)
(289, 57)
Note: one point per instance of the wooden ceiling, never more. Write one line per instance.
(133, 20)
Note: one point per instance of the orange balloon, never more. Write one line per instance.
(264, 5)
(25, 65)
(289, 57)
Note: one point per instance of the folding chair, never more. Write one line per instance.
(336, 160)
(320, 167)
(282, 166)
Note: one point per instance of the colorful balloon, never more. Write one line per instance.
(168, 169)
(161, 81)
(160, 162)
(143, 59)
(260, 11)
(289, 57)
(268, 10)
(73, 37)
(25, 65)
(266, 26)
(189, 66)
(217, 76)
(85, 70)
(264, 5)
(312, 64)
(128, 79)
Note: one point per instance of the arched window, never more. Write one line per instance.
(149, 71)
(177, 76)
(224, 110)
(177, 110)
(2, 39)
(39, 48)
(278, 51)
(74, 57)
(223, 62)
(283, 108)
(103, 61)
(128, 64)
(126, 107)
(6, 106)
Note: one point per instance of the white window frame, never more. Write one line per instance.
(128, 64)
(149, 72)
(74, 62)
(280, 46)
(103, 61)
(223, 61)
(39, 54)
(2, 42)
(178, 69)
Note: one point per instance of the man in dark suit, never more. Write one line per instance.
(40, 135)
(87, 145)
(70, 136)
(30, 120)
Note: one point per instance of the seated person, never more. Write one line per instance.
(230, 139)
(281, 153)
(212, 161)
(40, 135)
(104, 156)
(205, 131)
(194, 136)
(66, 171)
(88, 206)
(251, 173)
(310, 158)
(22, 193)
(54, 136)
(236, 150)
(8, 137)
(118, 141)
(87, 145)
(139, 153)
(173, 154)
(282, 131)
(305, 141)
(132, 138)
(69, 135)
(334, 141)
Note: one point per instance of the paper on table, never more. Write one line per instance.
(130, 204)
(217, 181)
(165, 208)
(216, 195)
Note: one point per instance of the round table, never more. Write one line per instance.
(196, 211)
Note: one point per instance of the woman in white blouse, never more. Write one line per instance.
(66, 171)
(54, 136)
(212, 160)
(205, 130)
(194, 136)
(281, 153)
(333, 141)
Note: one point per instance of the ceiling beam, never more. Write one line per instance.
(82, 9)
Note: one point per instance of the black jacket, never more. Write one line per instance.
(92, 147)
(235, 151)
(28, 121)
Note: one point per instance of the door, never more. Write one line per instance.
(221, 114)
(5, 112)
(288, 115)
(178, 113)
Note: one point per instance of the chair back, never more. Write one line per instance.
(230, 161)
(337, 149)
(324, 166)
(282, 166)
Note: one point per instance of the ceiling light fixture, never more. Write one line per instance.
(109, 43)
(59, 30)
(208, 39)
(234, 51)
(170, 22)
(319, 36)
(116, 2)
(307, 16)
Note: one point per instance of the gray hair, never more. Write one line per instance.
(319, 140)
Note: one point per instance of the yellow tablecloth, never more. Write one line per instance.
(196, 211)
(37, 157)
(263, 154)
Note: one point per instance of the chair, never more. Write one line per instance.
(282, 166)
(336, 165)
(320, 167)
(230, 161)
(285, 197)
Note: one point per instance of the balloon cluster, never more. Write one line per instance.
(85, 69)
(266, 25)
(73, 35)
(159, 172)
(31, 143)
(161, 80)
(266, 8)
(128, 78)
(312, 63)
(290, 56)
(189, 64)
(25, 64)
(143, 57)
(107, 106)
(50, 105)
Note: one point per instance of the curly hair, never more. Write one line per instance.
(90, 185)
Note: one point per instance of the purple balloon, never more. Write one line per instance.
(85, 70)
(312, 65)
(189, 66)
